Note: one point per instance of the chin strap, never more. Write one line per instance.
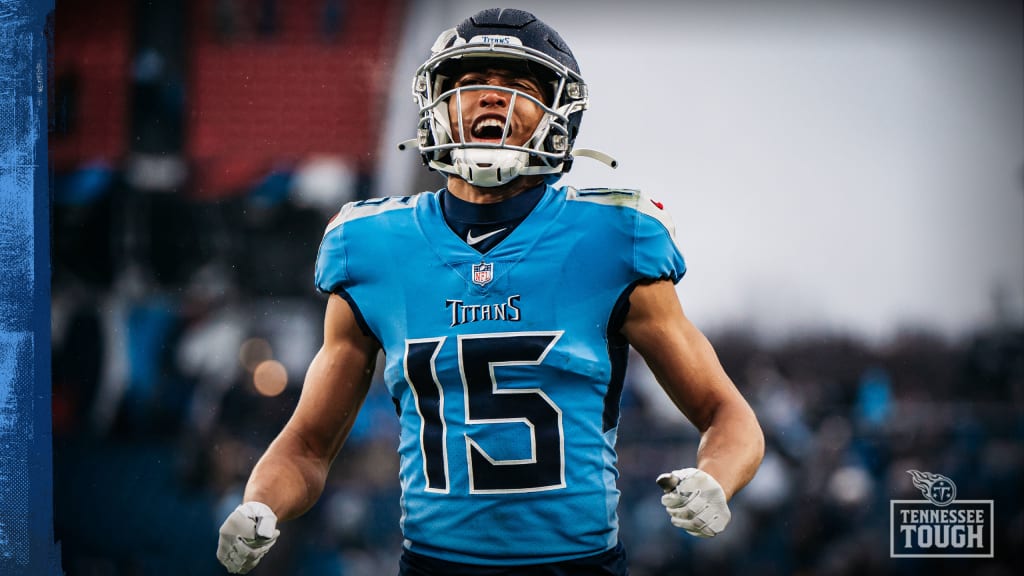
(596, 155)
(578, 152)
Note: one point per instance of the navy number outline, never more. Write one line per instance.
(486, 402)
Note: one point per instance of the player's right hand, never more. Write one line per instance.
(246, 536)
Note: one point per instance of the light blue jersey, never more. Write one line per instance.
(506, 376)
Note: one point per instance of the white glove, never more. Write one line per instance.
(695, 502)
(246, 536)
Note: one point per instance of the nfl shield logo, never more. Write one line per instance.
(482, 273)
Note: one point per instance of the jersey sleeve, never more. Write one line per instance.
(331, 273)
(656, 254)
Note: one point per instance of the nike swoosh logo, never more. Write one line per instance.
(474, 240)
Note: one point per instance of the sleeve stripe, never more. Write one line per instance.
(371, 207)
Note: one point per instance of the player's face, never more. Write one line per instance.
(485, 112)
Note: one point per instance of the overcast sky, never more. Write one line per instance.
(841, 166)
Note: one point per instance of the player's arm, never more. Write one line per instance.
(686, 366)
(290, 476)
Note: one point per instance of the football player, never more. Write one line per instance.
(505, 306)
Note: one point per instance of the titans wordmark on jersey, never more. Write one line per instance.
(503, 367)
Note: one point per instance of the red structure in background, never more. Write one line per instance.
(91, 69)
(271, 89)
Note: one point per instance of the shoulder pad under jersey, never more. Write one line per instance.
(626, 198)
(370, 207)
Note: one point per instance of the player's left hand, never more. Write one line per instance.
(695, 502)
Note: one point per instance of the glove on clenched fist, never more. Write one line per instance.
(695, 502)
(246, 536)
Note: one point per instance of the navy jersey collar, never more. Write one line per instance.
(459, 212)
(484, 226)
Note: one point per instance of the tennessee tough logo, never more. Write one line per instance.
(940, 526)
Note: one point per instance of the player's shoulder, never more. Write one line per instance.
(617, 197)
(372, 207)
(627, 200)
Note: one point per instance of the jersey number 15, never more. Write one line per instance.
(487, 403)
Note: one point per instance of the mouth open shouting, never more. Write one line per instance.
(488, 128)
(490, 107)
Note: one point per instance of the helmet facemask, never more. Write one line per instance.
(488, 164)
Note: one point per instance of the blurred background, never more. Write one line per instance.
(847, 183)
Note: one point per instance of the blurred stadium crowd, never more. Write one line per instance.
(199, 149)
